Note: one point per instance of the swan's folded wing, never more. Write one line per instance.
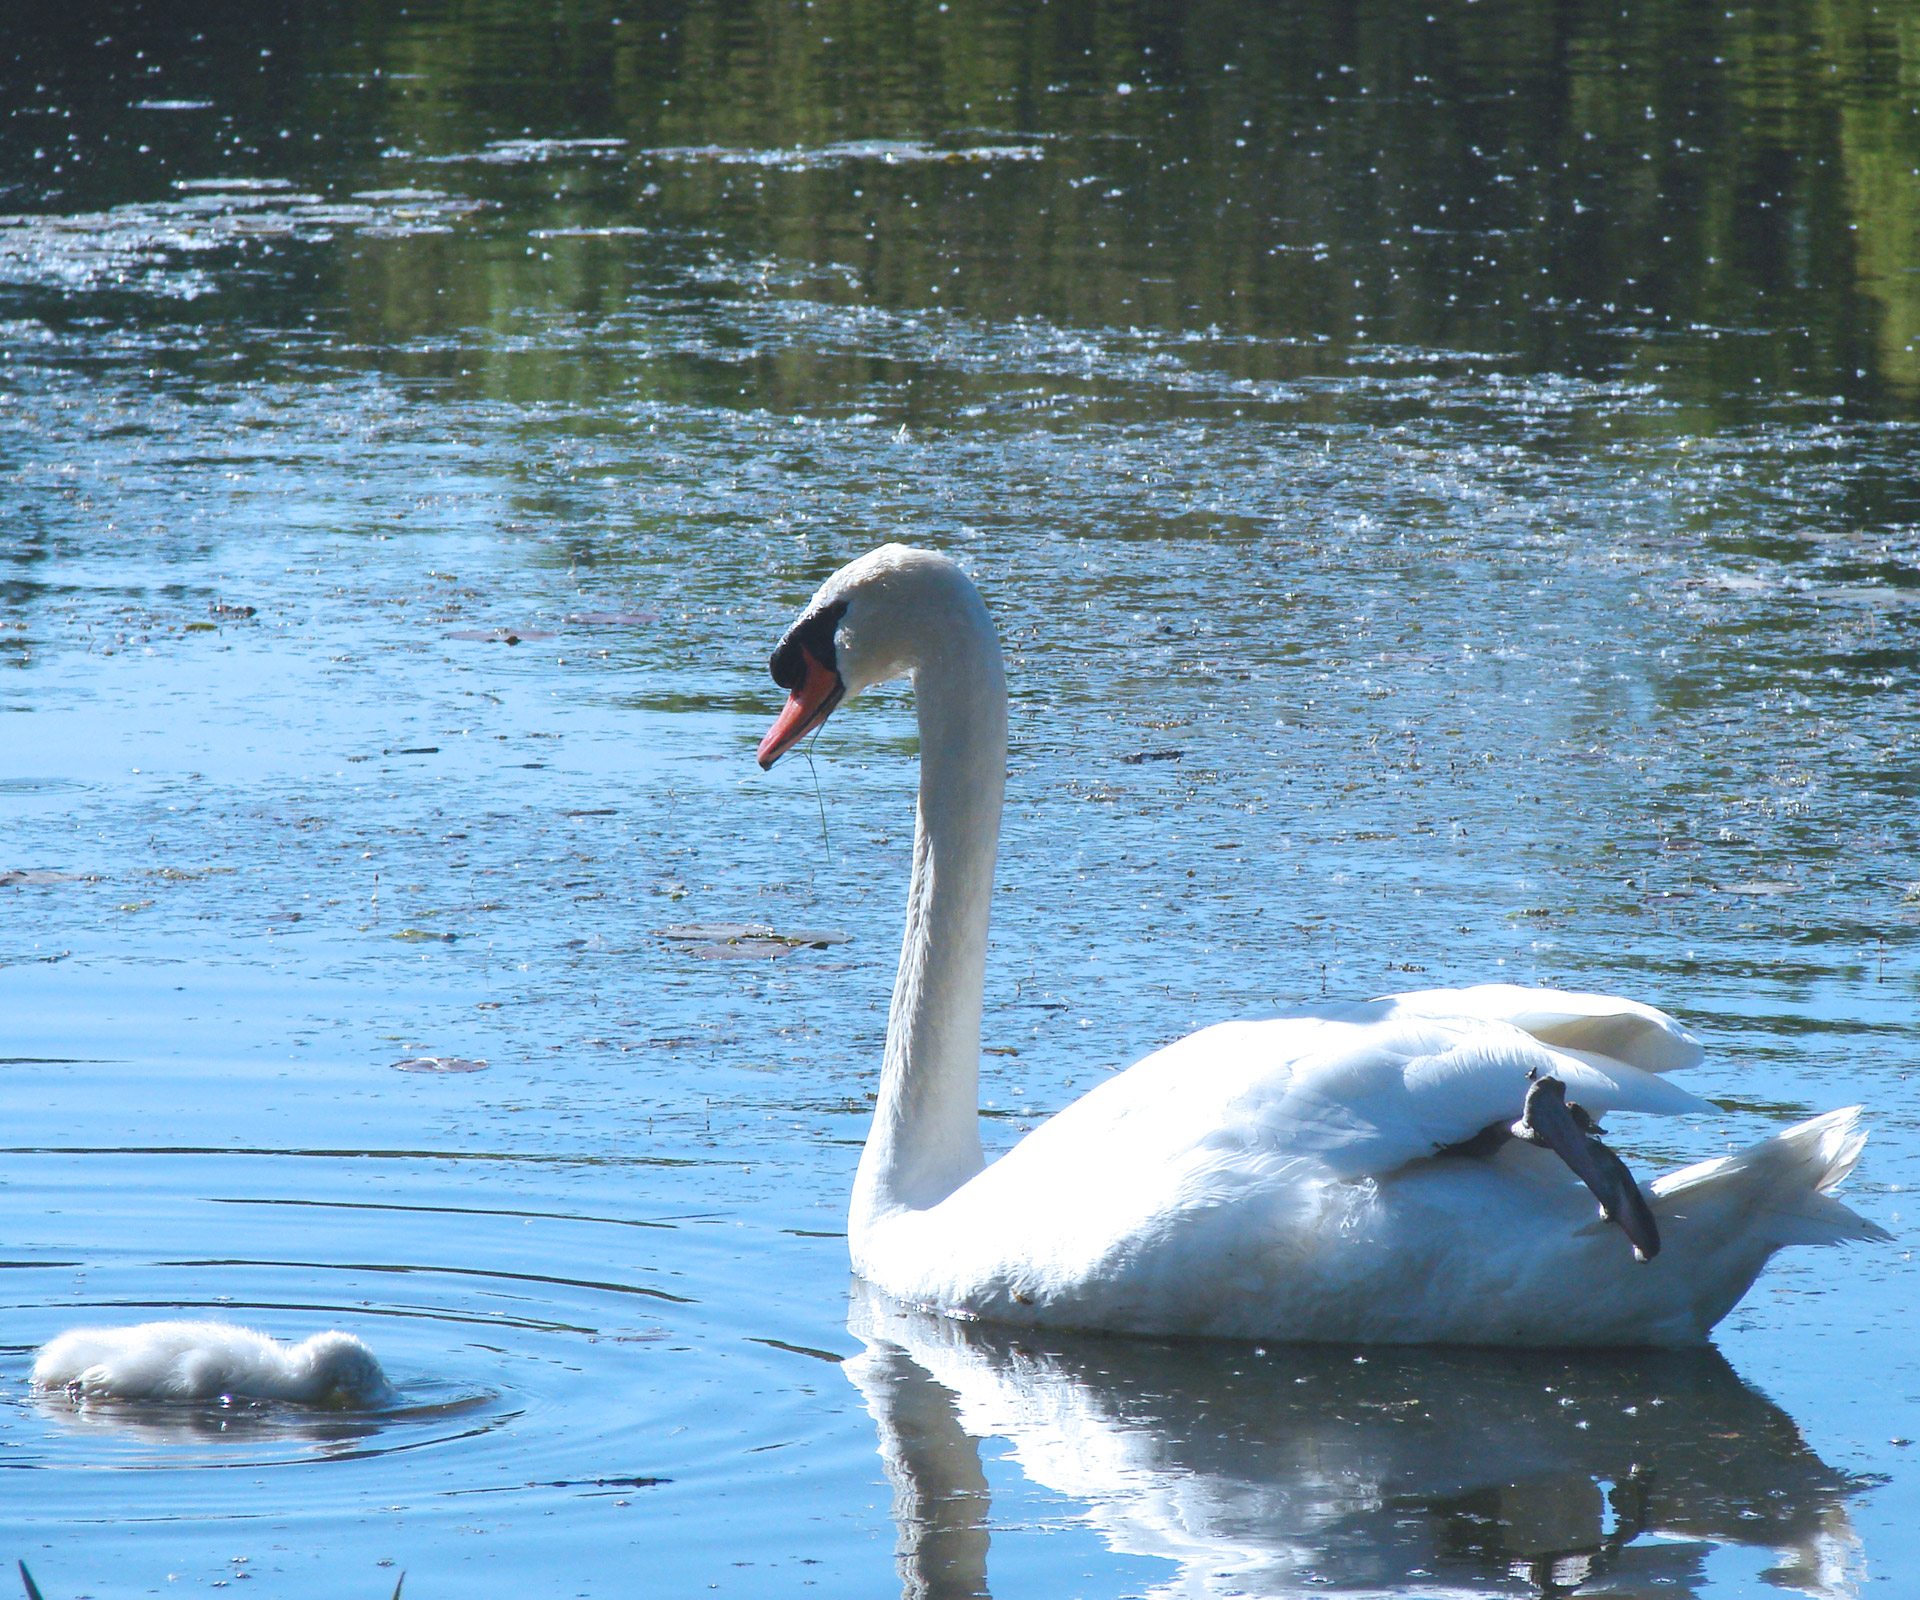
(1356, 1090)
(1586, 1024)
(1378, 1096)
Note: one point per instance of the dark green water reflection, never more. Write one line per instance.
(1719, 201)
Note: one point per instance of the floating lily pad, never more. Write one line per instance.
(9, 879)
(1140, 756)
(439, 1064)
(612, 619)
(747, 950)
(423, 936)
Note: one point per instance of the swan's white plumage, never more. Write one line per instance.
(1280, 1178)
(205, 1360)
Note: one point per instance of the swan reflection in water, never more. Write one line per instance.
(1296, 1470)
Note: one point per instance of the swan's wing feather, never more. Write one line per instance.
(1403, 1089)
(1358, 1092)
(1585, 1023)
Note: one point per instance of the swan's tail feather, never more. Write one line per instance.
(1783, 1183)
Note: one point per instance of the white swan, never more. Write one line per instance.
(206, 1360)
(1344, 1174)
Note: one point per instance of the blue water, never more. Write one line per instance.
(1340, 664)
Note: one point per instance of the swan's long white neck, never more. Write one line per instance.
(925, 1140)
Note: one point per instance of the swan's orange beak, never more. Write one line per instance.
(807, 707)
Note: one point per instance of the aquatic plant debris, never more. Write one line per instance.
(818, 938)
(513, 152)
(890, 152)
(440, 1064)
(138, 247)
(745, 941)
(501, 635)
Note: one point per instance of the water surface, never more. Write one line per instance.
(1447, 487)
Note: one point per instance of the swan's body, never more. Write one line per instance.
(206, 1360)
(1294, 1178)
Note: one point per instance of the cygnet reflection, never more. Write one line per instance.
(1291, 1470)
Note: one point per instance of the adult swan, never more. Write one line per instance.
(1420, 1168)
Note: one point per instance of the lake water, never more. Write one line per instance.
(1449, 486)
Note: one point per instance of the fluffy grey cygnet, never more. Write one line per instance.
(205, 1360)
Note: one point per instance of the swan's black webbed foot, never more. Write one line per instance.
(1549, 1122)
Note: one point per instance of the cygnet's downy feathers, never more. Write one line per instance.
(205, 1360)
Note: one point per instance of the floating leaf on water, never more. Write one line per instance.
(1760, 887)
(510, 151)
(415, 750)
(612, 619)
(889, 152)
(501, 635)
(714, 930)
(1140, 756)
(422, 936)
(1857, 594)
(231, 185)
(439, 1064)
(9, 879)
(746, 950)
(594, 811)
(817, 937)
(203, 627)
(611, 231)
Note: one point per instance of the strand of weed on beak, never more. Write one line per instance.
(818, 799)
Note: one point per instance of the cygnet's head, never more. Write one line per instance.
(879, 617)
(342, 1371)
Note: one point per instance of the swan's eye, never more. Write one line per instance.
(812, 636)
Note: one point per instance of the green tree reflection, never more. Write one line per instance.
(1721, 201)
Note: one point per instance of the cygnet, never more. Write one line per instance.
(205, 1360)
